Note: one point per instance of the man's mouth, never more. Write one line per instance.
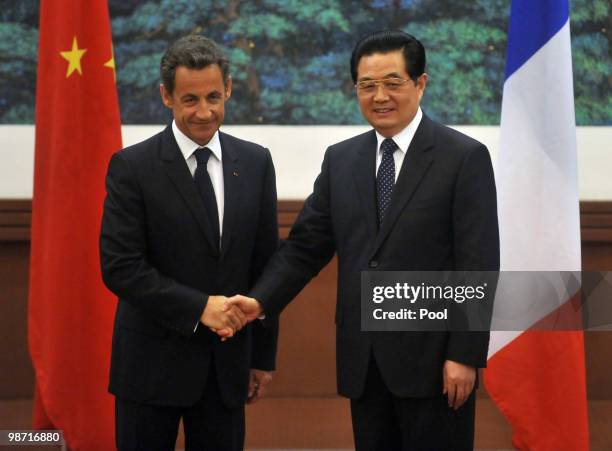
(383, 110)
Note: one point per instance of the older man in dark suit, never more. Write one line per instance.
(409, 195)
(189, 218)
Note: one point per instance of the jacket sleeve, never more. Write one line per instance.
(309, 247)
(123, 255)
(476, 242)
(265, 334)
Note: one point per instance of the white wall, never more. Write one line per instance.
(298, 151)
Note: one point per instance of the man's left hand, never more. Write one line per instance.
(257, 384)
(459, 380)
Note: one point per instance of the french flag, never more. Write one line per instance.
(537, 378)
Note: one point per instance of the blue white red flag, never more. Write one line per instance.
(537, 379)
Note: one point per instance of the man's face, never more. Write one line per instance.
(198, 101)
(389, 111)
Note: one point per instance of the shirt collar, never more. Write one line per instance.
(187, 146)
(403, 138)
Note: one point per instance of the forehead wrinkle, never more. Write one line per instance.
(195, 81)
(392, 61)
(197, 89)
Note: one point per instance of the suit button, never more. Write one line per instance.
(373, 264)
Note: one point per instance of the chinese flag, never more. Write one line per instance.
(70, 311)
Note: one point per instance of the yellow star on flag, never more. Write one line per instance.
(111, 63)
(73, 56)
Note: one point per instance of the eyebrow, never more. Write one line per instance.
(391, 75)
(189, 96)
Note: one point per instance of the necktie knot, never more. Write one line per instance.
(202, 155)
(388, 146)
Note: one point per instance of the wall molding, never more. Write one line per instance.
(16, 216)
(596, 221)
(15, 220)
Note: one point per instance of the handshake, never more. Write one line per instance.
(226, 316)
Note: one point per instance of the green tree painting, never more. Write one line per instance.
(290, 58)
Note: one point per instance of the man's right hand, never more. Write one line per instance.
(249, 307)
(219, 316)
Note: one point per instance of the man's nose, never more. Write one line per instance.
(203, 110)
(380, 95)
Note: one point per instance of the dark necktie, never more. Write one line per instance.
(385, 179)
(206, 190)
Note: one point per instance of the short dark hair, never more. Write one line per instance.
(386, 41)
(193, 51)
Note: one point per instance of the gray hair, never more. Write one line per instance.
(194, 52)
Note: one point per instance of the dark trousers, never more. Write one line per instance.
(208, 424)
(384, 422)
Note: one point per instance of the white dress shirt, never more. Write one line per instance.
(402, 140)
(214, 166)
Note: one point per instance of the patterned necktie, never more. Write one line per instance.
(206, 190)
(385, 179)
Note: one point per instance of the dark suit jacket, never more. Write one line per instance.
(442, 216)
(158, 256)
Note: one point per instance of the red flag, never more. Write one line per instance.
(70, 311)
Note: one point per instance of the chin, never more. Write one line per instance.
(203, 135)
(384, 125)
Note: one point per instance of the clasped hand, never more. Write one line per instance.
(226, 316)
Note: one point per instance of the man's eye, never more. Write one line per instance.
(392, 84)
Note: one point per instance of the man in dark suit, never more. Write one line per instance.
(189, 218)
(409, 195)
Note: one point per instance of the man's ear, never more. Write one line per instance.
(228, 87)
(165, 95)
(421, 84)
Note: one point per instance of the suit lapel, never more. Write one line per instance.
(179, 174)
(415, 165)
(233, 187)
(365, 180)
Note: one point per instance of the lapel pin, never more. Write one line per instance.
(235, 174)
